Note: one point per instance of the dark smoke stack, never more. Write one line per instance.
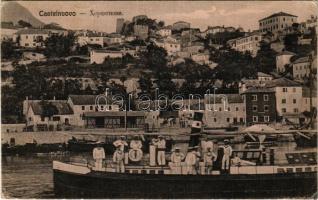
(196, 129)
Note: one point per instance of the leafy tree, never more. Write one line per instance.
(59, 45)
(155, 57)
(265, 60)
(145, 84)
(7, 49)
(24, 24)
(72, 86)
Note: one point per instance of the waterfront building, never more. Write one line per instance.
(305, 106)
(89, 110)
(260, 105)
(276, 22)
(224, 110)
(288, 96)
(47, 115)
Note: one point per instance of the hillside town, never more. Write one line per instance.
(187, 99)
(51, 76)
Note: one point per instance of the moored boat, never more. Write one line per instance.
(79, 181)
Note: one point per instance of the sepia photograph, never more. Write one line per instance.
(158, 99)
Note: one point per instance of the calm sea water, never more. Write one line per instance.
(31, 176)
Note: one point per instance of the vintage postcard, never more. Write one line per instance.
(159, 99)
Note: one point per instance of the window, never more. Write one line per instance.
(91, 107)
(237, 109)
(214, 119)
(241, 120)
(228, 119)
(255, 118)
(295, 110)
(26, 37)
(26, 44)
(228, 109)
(266, 118)
(283, 110)
(83, 107)
(56, 118)
(42, 118)
(284, 89)
(283, 101)
(294, 101)
(265, 108)
(220, 109)
(254, 108)
(254, 97)
(265, 97)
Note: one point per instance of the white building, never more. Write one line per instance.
(301, 68)
(201, 58)
(262, 77)
(113, 39)
(169, 44)
(288, 97)
(32, 38)
(98, 56)
(8, 31)
(276, 22)
(283, 59)
(36, 117)
(305, 106)
(224, 110)
(248, 43)
(83, 104)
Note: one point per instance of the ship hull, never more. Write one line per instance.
(115, 185)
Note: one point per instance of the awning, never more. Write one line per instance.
(258, 128)
(115, 114)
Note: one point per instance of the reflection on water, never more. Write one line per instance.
(31, 176)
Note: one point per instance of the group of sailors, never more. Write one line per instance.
(205, 154)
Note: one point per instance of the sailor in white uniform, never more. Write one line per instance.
(121, 143)
(227, 152)
(191, 160)
(118, 159)
(135, 153)
(176, 159)
(205, 144)
(161, 148)
(99, 156)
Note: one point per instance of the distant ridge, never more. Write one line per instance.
(13, 12)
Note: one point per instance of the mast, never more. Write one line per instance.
(310, 90)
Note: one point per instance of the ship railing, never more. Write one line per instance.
(272, 169)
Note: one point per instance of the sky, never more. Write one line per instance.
(199, 13)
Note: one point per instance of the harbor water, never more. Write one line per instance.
(31, 176)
